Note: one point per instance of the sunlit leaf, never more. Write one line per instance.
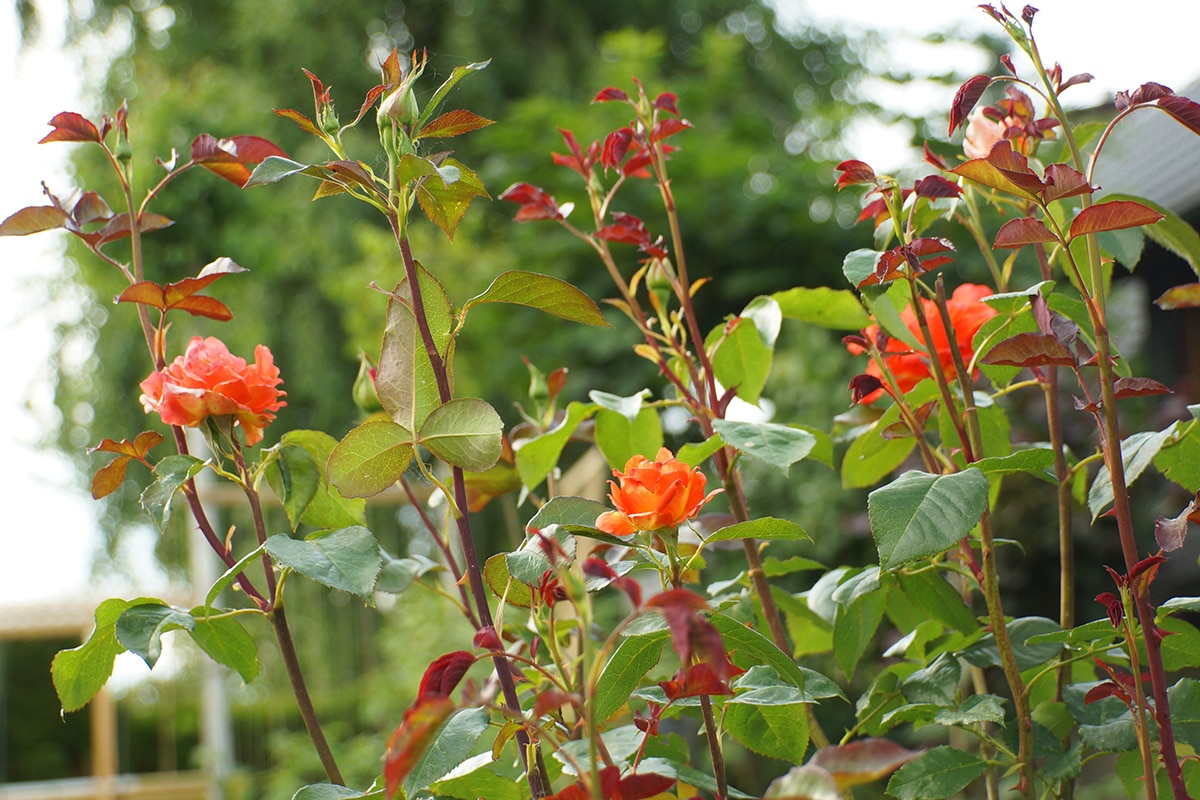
(71, 127)
(1184, 296)
(453, 123)
(838, 309)
(777, 446)
(34, 219)
(543, 292)
(370, 458)
(140, 628)
(446, 203)
(1112, 215)
(81, 672)
(1020, 232)
(465, 432)
(766, 528)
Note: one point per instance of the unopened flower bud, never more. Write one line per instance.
(364, 393)
(400, 105)
(660, 279)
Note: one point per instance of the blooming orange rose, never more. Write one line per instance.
(653, 495)
(207, 380)
(908, 367)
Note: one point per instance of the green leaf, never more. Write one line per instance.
(273, 169)
(872, 456)
(466, 432)
(1124, 246)
(1034, 460)
(975, 710)
(397, 574)
(931, 593)
(619, 439)
(370, 458)
(885, 304)
(777, 446)
(543, 292)
(940, 772)
(1179, 458)
(346, 559)
(1031, 647)
(295, 477)
(630, 661)
(748, 647)
(920, 515)
(1184, 699)
(1137, 452)
(694, 453)
(854, 626)
(1171, 232)
(405, 380)
(489, 779)
(453, 744)
(767, 528)
(445, 202)
(1181, 649)
(838, 309)
(575, 515)
(628, 407)
(140, 628)
(536, 457)
(78, 674)
(514, 592)
(936, 683)
(230, 574)
(170, 473)
(529, 562)
(329, 508)
(226, 642)
(858, 265)
(740, 359)
(776, 731)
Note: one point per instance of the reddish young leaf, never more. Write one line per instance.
(143, 443)
(1138, 387)
(410, 739)
(933, 159)
(232, 158)
(1114, 215)
(486, 638)
(1185, 111)
(1082, 77)
(668, 127)
(454, 123)
(934, 186)
(1030, 350)
(1064, 181)
(89, 208)
(862, 761)
(303, 121)
(965, 99)
(577, 160)
(610, 94)
(641, 785)
(1184, 296)
(1114, 607)
(616, 145)
(182, 294)
(1003, 169)
(443, 675)
(118, 226)
(667, 102)
(34, 219)
(1017, 233)
(71, 127)
(535, 203)
(854, 172)
(701, 678)
(550, 700)
(1149, 92)
(1107, 689)
(864, 386)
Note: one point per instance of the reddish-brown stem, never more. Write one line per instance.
(451, 561)
(260, 528)
(291, 661)
(538, 780)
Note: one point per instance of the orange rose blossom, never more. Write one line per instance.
(653, 495)
(207, 380)
(908, 367)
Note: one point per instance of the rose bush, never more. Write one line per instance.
(209, 381)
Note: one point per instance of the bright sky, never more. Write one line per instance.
(49, 532)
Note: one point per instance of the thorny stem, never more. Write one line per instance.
(538, 780)
(260, 528)
(451, 562)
